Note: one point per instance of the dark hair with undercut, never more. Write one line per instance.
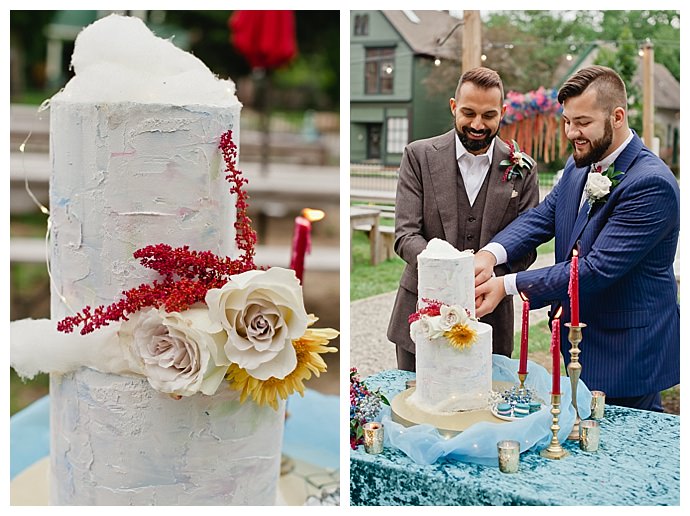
(482, 77)
(608, 84)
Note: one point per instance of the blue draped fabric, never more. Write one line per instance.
(425, 445)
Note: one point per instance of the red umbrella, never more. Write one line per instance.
(265, 38)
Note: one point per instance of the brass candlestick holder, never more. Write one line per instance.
(554, 450)
(574, 369)
(522, 377)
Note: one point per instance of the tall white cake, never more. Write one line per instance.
(129, 172)
(449, 379)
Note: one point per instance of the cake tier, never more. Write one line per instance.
(116, 441)
(128, 175)
(449, 379)
(446, 275)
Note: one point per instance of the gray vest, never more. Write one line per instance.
(470, 217)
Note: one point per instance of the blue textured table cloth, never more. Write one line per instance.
(638, 463)
(303, 440)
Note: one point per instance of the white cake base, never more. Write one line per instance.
(451, 380)
(116, 441)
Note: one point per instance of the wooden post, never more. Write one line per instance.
(648, 94)
(471, 40)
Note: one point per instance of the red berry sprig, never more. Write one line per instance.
(187, 275)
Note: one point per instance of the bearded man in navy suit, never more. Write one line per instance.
(626, 220)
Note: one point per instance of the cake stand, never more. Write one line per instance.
(448, 424)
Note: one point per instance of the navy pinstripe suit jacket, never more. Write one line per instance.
(628, 292)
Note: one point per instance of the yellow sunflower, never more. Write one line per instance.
(308, 349)
(461, 336)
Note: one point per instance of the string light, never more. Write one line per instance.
(483, 57)
(45, 211)
(437, 62)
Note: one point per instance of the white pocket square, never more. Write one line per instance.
(514, 194)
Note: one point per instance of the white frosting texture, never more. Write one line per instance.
(446, 275)
(129, 175)
(116, 441)
(449, 379)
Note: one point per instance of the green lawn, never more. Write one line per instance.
(23, 393)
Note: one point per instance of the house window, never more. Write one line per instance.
(380, 70)
(361, 25)
(396, 135)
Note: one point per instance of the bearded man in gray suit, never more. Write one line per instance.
(463, 186)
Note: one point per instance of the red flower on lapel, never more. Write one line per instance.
(517, 162)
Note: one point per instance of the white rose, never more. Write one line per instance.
(452, 315)
(262, 312)
(432, 326)
(597, 186)
(179, 352)
(518, 159)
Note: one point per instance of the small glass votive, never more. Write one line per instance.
(508, 456)
(589, 435)
(373, 437)
(598, 401)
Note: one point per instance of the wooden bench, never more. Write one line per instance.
(386, 239)
(386, 233)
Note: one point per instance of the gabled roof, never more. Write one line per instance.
(666, 87)
(424, 30)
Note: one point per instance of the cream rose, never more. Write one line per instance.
(262, 312)
(179, 352)
(597, 187)
(452, 315)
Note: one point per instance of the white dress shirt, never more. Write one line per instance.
(473, 169)
(510, 280)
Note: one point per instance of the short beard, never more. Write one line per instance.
(599, 148)
(475, 145)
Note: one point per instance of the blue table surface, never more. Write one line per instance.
(638, 463)
(316, 444)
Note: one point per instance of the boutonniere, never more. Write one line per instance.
(517, 163)
(600, 184)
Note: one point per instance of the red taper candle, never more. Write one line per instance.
(301, 244)
(556, 352)
(524, 338)
(573, 290)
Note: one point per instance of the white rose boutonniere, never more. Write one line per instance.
(600, 184)
(262, 312)
(180, 353)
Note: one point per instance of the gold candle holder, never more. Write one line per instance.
(522, 377)
(554, 450)
(373, 437)
(574, 369)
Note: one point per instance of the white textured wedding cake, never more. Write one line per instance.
(453, 349)
(135, 158)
